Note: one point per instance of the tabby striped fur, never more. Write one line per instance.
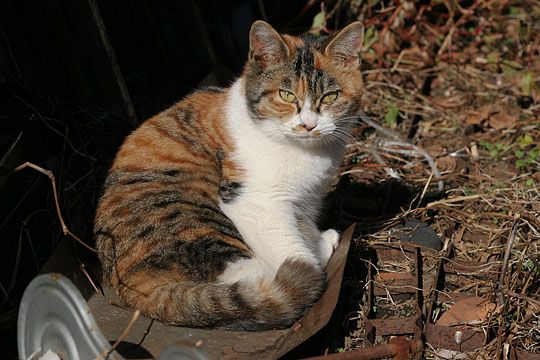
(207, 217)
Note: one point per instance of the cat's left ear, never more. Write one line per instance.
(266, 46)
(345, 47)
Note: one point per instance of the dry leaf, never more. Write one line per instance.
(473, 119)
(447, 163)
(471, 310)
(476, 117)
(435, 149)
(449, 102)
(502, 120)
(485, 110)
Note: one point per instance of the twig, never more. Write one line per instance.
(506, 260)
(98, 290)
(389, 171)
(500, 287)
(16, 267)
(32, 250)
(203, 31)
(390, 133)
(522, 297)
(103, 37)
(134, 318)
(452, 200)
(145, 333)
(419, 152)
(398, 141)
(51, 176)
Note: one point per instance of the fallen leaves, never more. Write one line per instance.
(470, 311)
(493, 116)
(502, 120)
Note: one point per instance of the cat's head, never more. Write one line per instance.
(304, 89)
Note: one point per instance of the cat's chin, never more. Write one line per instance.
(308, 139)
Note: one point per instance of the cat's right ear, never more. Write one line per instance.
(266, 46)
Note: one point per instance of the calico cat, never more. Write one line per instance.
(207, 217)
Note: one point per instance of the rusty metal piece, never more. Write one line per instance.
(473, 269)
(439, 280)
(395, 326)
(395, 284)
(444, 337)
(148, 339)
(399, 348)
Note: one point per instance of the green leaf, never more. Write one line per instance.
(525, 141)
(370, 37)
(519, 154)
(529, 182)
(514, 10)
(510, 67)
(521, 163)
(319, 21)
(526, 83)
(390, 118)
(532, 155)
(486, 145)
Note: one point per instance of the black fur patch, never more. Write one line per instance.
(147, 230)
(228, 191)
(202, 259)
(171, 172)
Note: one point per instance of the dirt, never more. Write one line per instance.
(459, 80)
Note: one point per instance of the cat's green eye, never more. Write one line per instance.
(287, 96)
(330, 97)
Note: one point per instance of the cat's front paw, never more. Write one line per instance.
(329, 242)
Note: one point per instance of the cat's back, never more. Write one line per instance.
(187, 133)
(164, 184)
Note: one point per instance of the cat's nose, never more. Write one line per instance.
(309, 126)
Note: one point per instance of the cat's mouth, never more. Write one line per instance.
(311, 137)
(301, 132)
(307, 135)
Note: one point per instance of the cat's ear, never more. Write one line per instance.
(266, 46)
(345, 47)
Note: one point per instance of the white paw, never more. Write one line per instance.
(329, 242)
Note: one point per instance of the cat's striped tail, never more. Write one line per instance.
(258, 306)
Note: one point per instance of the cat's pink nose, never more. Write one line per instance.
(309, 126)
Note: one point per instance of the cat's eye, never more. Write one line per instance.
(329, 97)
(287, 96)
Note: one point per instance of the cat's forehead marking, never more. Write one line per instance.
(311, 79)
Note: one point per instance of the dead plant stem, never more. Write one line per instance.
(52, 178)
(134, 318)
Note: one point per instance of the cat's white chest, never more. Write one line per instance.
(282, 186)
(283, 171)
(276, 168)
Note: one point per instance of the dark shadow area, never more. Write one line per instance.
(132, 351)
(75, 78)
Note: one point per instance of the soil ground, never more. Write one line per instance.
(456, 88)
